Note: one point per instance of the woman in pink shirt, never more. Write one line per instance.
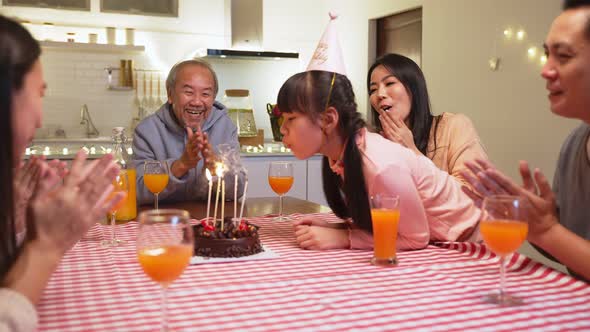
(320, 116)
(400, 107)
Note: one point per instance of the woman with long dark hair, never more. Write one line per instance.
(320, 116)
(401, 113)
(56, 215)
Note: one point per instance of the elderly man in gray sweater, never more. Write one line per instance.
(184, 133)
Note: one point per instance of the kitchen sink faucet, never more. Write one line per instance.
(86, 120)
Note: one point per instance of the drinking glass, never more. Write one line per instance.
(120, 184)
(504, 229)
(155, 177)
(164, 249)
(280, 178)
(385, 217)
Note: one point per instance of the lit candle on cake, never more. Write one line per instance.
(209, 178)
(219, 173)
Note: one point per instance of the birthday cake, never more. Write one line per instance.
(233, 241)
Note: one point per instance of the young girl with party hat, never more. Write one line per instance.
(320, 116)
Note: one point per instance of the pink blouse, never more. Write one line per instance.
(432, 205)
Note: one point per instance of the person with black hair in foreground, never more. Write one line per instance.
(49, 217)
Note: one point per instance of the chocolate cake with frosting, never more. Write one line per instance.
(234, 241)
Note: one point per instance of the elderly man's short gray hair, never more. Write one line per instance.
(171, 79)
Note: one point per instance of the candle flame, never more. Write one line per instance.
(219, 169)
(208, 174)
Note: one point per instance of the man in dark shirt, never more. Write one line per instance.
(559, 224)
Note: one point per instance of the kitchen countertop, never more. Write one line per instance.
(66, 148)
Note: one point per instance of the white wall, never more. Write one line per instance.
(288, 25)
(508, 107)
(76, 78)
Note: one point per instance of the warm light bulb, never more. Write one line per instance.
(543, 59)
(508, 33)
(520, 34)
(532, 52)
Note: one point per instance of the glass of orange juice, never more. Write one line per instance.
(280, 179)
(385, 217)
(504, 229)
(155, 177)
(164, 249)
(120, 185)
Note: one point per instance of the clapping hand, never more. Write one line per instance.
(194, 144)
(487, 180)
(394, 129)
(52, 173)
(61, 217)
(207, 152)
(26, 182)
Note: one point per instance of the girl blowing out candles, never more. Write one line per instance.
(320, 116)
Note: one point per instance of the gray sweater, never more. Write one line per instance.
(571, 183)
(159, 137)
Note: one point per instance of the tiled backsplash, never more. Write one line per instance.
(77, 78)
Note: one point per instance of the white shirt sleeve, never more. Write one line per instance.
(17, 313)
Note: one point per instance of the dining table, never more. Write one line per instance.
(437, 288)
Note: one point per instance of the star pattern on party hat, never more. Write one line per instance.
(328, 54)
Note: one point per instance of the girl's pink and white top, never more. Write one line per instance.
(432, 205)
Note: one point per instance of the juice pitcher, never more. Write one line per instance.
(122, 157)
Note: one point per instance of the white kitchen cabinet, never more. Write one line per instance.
(55, 4)
(91, 48)
(304, 187)
(140, 7)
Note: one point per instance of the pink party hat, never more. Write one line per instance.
(328, 54)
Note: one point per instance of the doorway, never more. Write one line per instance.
(401, 33)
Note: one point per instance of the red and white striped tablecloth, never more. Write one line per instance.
(435, 289)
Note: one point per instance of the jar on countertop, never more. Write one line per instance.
(241, 112)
